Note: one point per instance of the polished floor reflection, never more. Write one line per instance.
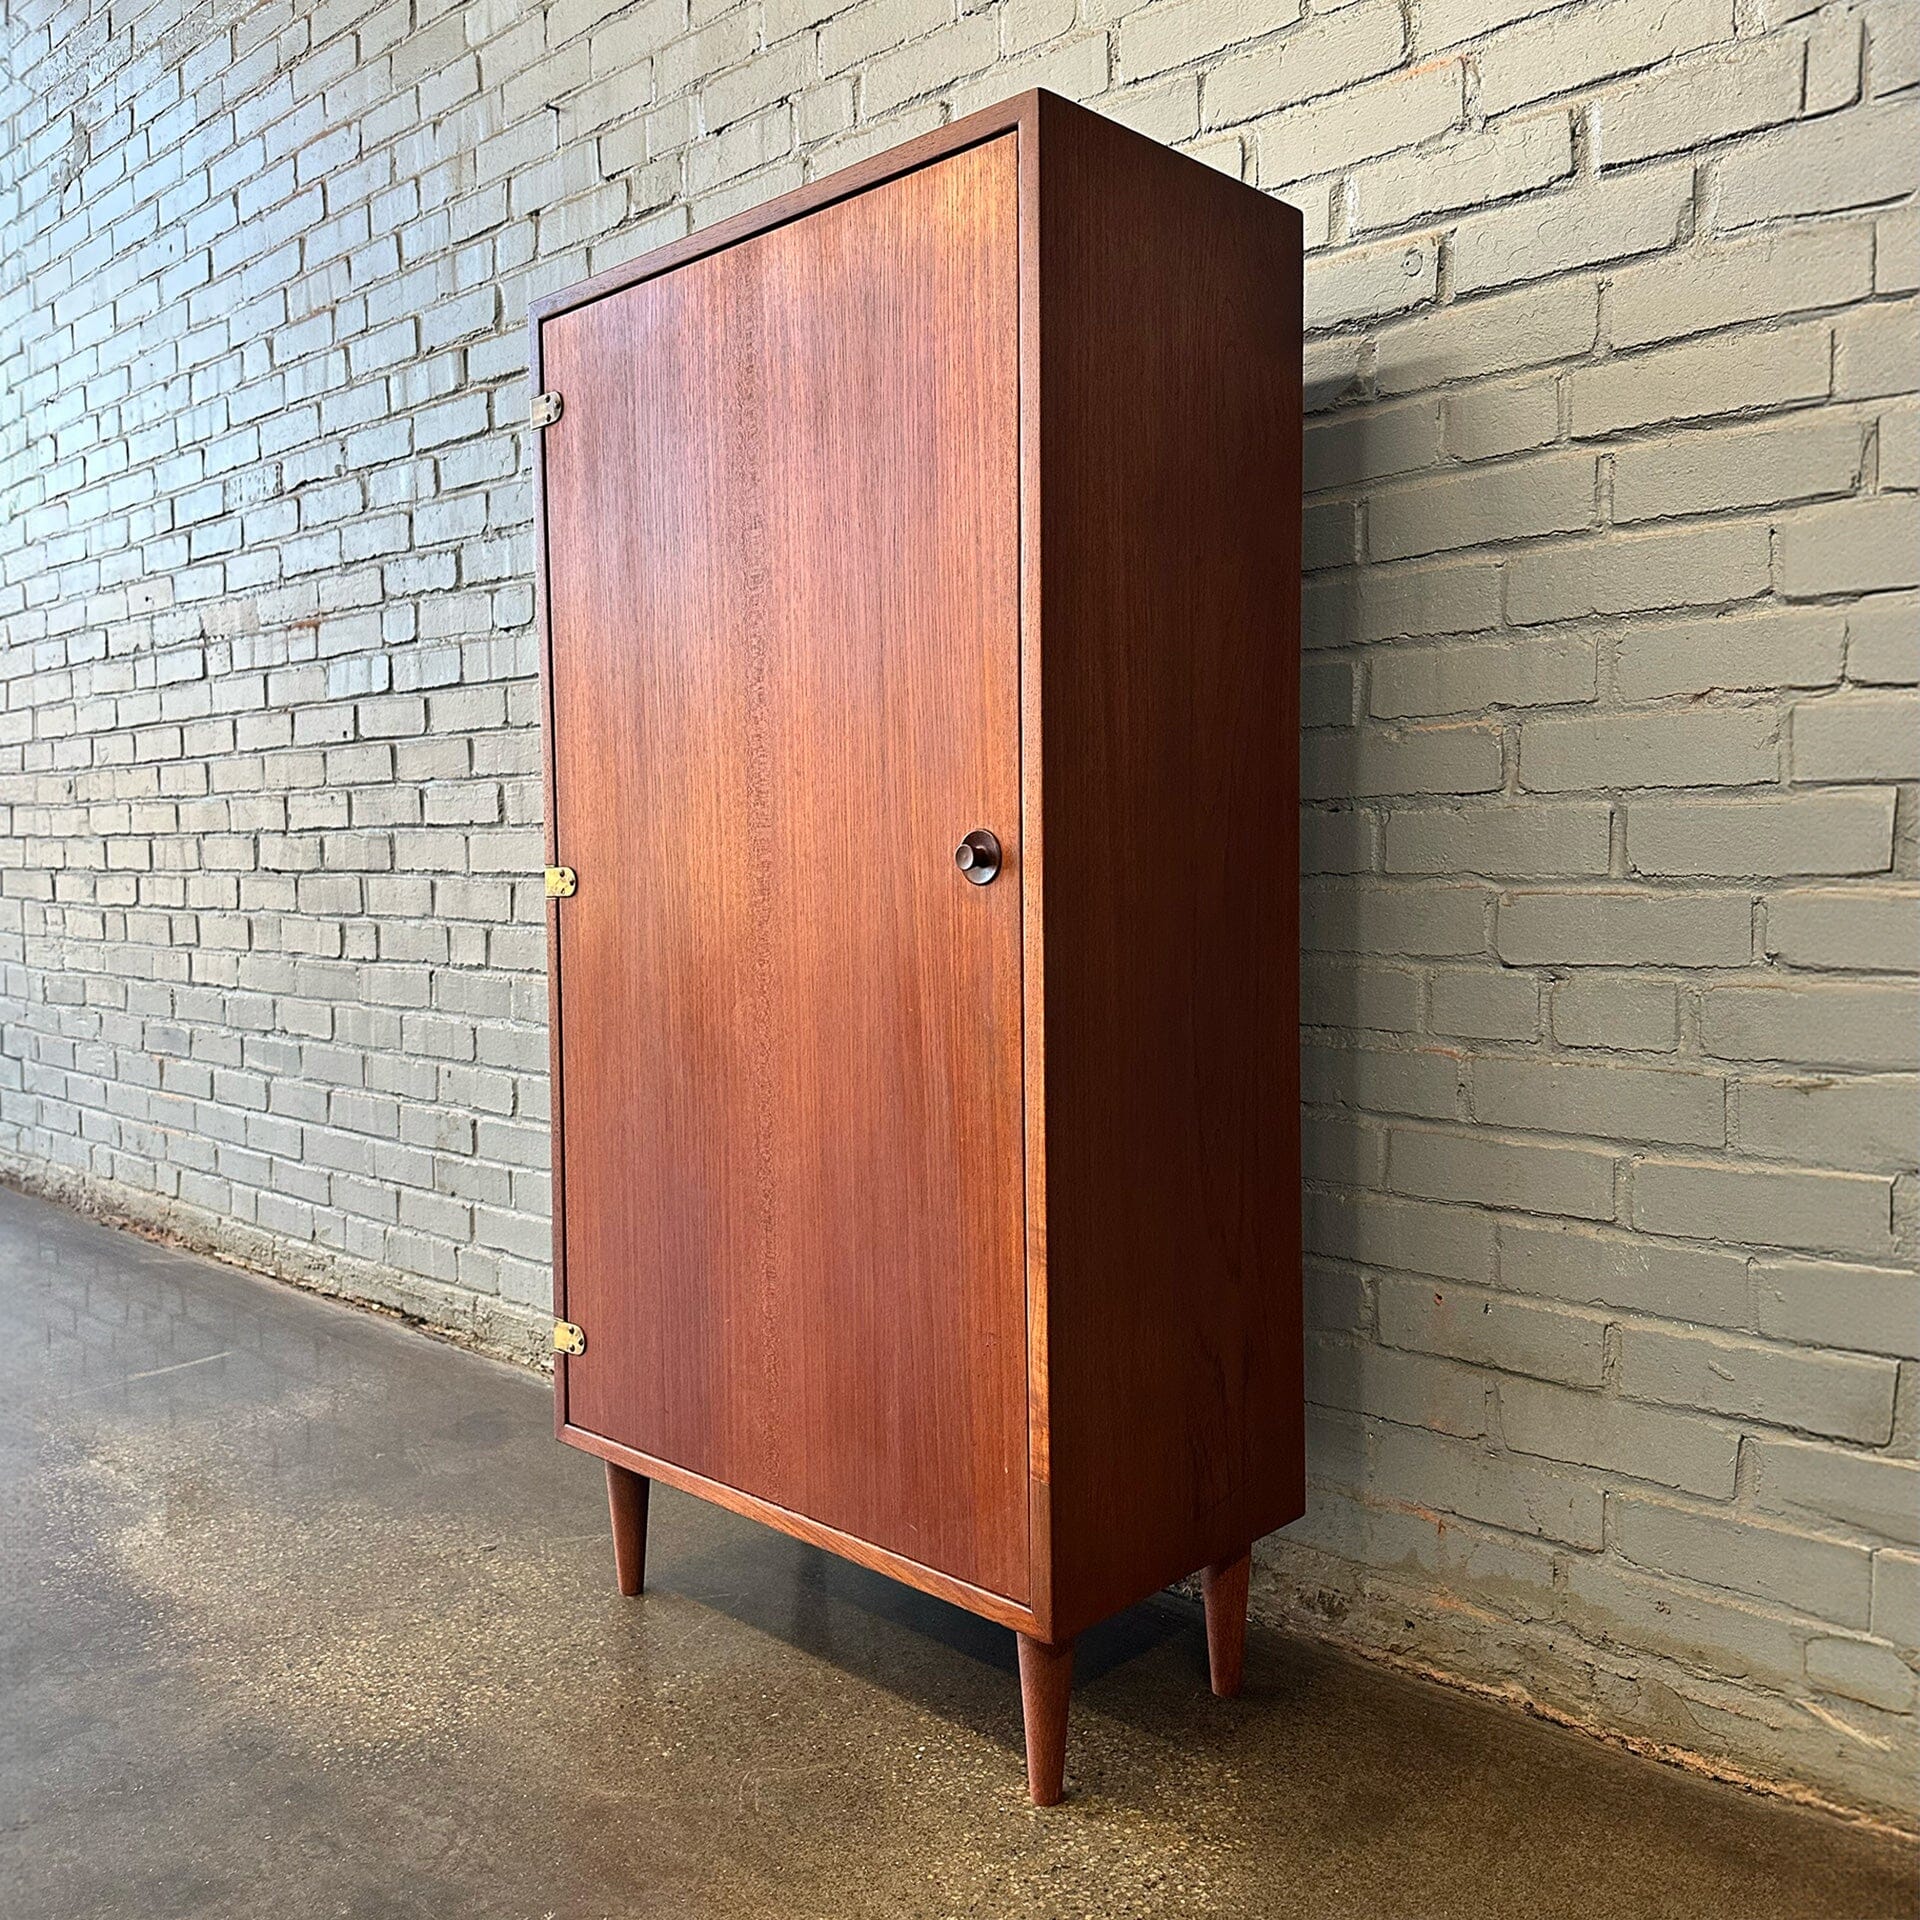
(303, 1614)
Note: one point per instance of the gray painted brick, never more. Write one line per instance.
(1877, 1676)
(268, 723)
(1601, 1010)
(1590, 1266)
(1847, 1396)
(1834, 832)
(1660, 747)
(1846, 927)
(1731, 652)
(1685, 1451)
(1824, 1303)
(1484, 1003)
(1502, 1173)
(1690, 566)
(1491, 1330)
(1620, 928)
(1815, 1024)
(1550, 493)
(1817, 1120)
(1509, 841)
(1457, 1477)
(1872, 1492)
(1827, 1579)
(1857, 737)
(1896, 1597)
(1696, 380)
(1764, 1207)
(1611, 1102)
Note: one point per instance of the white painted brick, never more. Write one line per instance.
(1401, 110)
(1353, 283)
(1445, 23)
(1834, 48)
(1313, 58)
(1896, 252)
(1692, 382)
(1846, 927)
(1763, 1207)
(1875, 351)
(1842, 831)
(1175, 32)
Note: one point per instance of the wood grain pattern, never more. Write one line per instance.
(627, 1498)
(1169, 632)
(1223, 1589)
(1046, 1688)
(800, 1526)
(782, 553)
(1029, 377)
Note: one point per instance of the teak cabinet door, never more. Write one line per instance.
(783, 561)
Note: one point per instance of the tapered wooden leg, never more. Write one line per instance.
(627, 1500)
(1223, 1586)
(1046, 1678)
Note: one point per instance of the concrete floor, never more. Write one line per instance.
(307, 1615)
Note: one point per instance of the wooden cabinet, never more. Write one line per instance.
(939, 1212)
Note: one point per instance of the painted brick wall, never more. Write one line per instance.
(1612, 732)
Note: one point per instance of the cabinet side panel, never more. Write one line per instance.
(1170, 443)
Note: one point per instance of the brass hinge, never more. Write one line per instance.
(567, 1338)
(562, 883)
(545, 409)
